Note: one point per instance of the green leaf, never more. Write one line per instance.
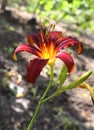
(49, 5)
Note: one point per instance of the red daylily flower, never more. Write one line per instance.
(46, 48)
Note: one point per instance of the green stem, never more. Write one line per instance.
(50, 97)
(52, 73)
(40, 101)
(34, 116)
(54, 94)
(39, 106)
(72, 85)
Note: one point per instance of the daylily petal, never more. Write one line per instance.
(37, 39)
(30, 40)
(68, 60)
(53, 37)
(56, 35)
(35, 67)
(27, 48)
(34, 38)
(65, 42)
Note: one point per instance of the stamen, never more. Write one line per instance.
(42, 36)
(41, 27)
(53, 27)
(41, 32)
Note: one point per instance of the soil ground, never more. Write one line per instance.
(72, 110)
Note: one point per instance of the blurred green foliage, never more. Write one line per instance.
(78, 12)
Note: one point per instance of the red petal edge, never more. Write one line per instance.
(65, 42)
(67, 59)
(27, 48)
(55, 34)
(36, 38)
(34, 68)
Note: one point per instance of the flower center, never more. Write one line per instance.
(48, 52)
